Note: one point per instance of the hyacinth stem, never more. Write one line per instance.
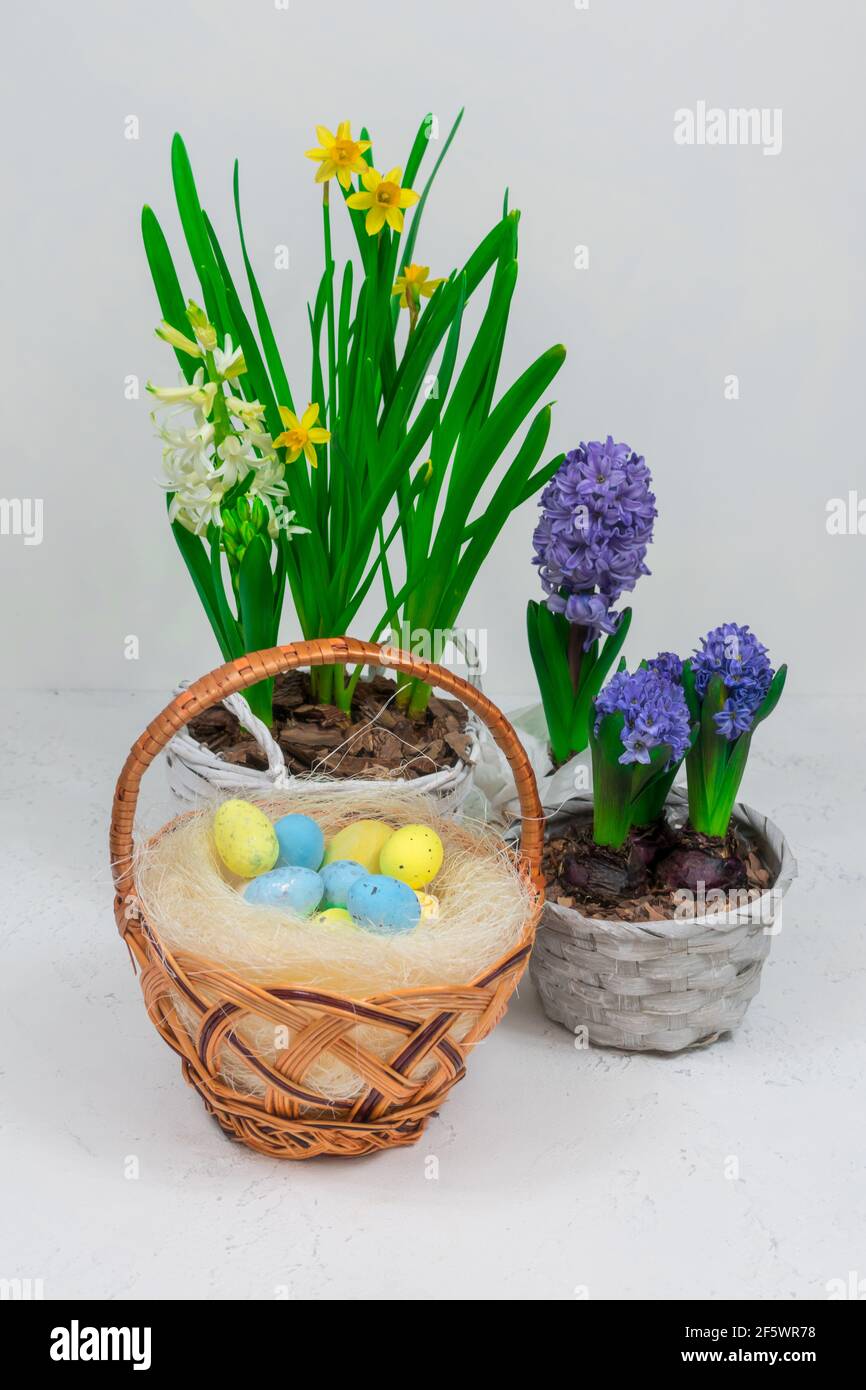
(611, 793)
(712, 800)
(576, 639)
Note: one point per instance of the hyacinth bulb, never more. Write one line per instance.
(695, 868)
(605, 875)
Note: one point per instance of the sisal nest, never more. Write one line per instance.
(195, 908)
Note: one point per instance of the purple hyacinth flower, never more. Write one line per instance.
(637, 746)
(597, 515)
(733, 719)
(734, 654)
(590, 610)
(667, 664)
(654, 713)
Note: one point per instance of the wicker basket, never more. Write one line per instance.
(660, 986)
(195, 771)
(429, 1026)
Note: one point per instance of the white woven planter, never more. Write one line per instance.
(194, 772)
(661, 986)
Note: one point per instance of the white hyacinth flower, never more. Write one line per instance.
(229, 361)
(198, 392)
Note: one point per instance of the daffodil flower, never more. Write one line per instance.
(300, 436)
(383, 200)
(338, 154)
(413, 283)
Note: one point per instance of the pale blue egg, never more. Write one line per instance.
(301, 841)
(383, 905)
(293, 887)
(338, 879)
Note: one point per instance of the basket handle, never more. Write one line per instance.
(257, 666)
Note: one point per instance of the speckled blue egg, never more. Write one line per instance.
(338, 879)
(301, 841)
(383, 905)
(293, 887)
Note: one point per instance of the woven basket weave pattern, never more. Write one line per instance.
(429, 1031)
(660, 986)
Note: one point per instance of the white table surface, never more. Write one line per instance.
(562, 1174)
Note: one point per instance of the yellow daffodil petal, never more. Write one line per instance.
(371, 178)
(309, 417)
(310, 456)
(324, 136)
(344, 130)
(375, 219)
(360, 200)
(394, 176)
(394, 218)
(317, 153)
(320, 436)
(429, 286)
(327, 169)
(344, 176)
(406, 197)
(288, 417)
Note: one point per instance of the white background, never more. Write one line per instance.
(703, 261)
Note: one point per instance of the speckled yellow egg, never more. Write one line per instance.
(429, 906)
(361, 841)
(335, 915)
(414, 854)
(245, 840)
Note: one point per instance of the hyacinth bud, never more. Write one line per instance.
(204, 331)
(230, 525)
(259, 516)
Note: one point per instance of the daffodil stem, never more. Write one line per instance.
(419, 699)
(322, 683)
(414, 305)
(329, 283)
(343, 690)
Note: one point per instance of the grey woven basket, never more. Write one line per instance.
(660, 986)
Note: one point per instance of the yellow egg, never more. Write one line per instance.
(429, 906)
(334, 914)
(245, 840)
(361, 841)
(413, 854)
